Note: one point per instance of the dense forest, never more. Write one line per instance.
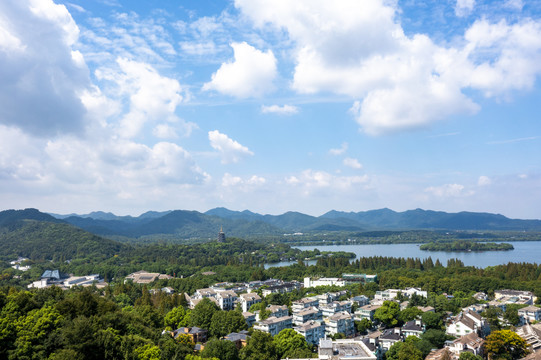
(466, 246)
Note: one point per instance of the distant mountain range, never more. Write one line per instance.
(193, 224)
(244, 223)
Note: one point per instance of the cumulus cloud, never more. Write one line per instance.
(312, 180)
(352, 163)
(152, 97)
(340, 150)
(484, 181)
(280, 110)
(43, 78)
(250, 75)
(464, 7)
(398, 81)
(448, 191)
(230, 150)
(229, 180)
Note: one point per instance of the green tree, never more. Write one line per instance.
(409, 351)
(363, 326)
(177, 317)
(432, 320)
(226, 322)
(202, 313)
(221, 349)
(260, 346)
(388, 313)
(148, 352)
(505, 344)
(435, 337)
(409, 314)
(469, 356)
(289, 340)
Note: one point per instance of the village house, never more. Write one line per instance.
(366, 312)
(467, 322)
(413, 328)
(471, 343)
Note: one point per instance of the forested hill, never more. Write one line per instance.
(182, 224)
(44, 240)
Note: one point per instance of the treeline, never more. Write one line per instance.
(466, 246)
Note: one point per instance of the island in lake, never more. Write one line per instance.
(466, 246)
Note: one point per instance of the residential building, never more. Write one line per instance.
(350, 349)
(532, 335)
(247, 300)
(467, 322)
(204, 293)
(281, 289)
(274, 325)
(226, 299)
(249, 317)
(311, 313)
(195, 333)
(239, 339)
(335, 307)
(530, 313)
(389, 337)
(360, 300)
(304, 303)
(366, 312)
(312, 331)
(278, 310)
(413, 328)
(471, 343)
(341, 322)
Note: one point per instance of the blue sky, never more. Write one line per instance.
(271, 106)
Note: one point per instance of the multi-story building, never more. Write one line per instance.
(309, 282)
(247, 300)
(274, 325)
(341, 322)
(281, 289)
(304, 303)
(226, 299)
(312, 331)
(366, 312)
(311, 313)
(530, 313)
(344, 349)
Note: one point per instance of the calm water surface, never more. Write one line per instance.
(525, 251)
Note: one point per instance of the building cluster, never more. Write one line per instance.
(55, 277)
(18, 264)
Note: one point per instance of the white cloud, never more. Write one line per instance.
(514, 4)
(43, 79)
(230, 150)
(448, 191)
(340, 150)
(280, 110)
(311, 180)
(198, 48)
(250, 75)
(484, 181)
(152, 97)
(399, 81)
(165, 131)
(229, 180)
(352, 163)
(464, 7)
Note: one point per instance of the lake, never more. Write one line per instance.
(525, 251)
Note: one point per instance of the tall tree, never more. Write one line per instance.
(505, 344)
(260, 346)
(202, 313)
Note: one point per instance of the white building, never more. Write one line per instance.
(305, 315)
(466, 323)
(308, 282)
(274, 325)
(530, 313)
(83, 280)
(226, 299)
(344, 349)
(247, 300)
(304, 303)
(312, 331)
(341, 322)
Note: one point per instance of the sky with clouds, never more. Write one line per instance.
(271, 105)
